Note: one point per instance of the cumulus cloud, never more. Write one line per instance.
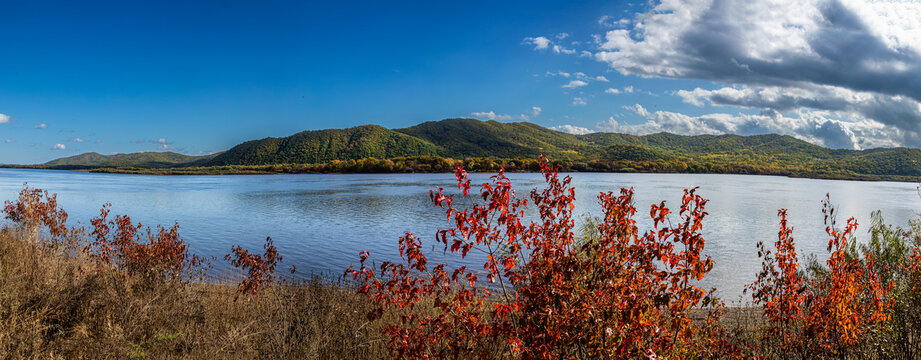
(578, 101)
(4, 119)
(900, 111)
(575, 84)
(570, 129)
(162, 144)
(543, 43)
(859, 60)
(562, 50)
(535, 110)
(581, 78)
(41, 126)
(626, 90)
(9, 141)
(540, 42)
(491, 115)
(812, 126)
(76, 140)
(610, 21)
(58, 147)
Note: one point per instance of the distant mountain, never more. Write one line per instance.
(142, 159)
(466, 138)
(326, 145)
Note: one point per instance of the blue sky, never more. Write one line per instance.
(199, 77)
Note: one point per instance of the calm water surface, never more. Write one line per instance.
(321, 222)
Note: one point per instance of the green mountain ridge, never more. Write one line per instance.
(469, 138)
(141, 159)
(317, 146)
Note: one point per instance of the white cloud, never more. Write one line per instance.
(76, 140)
(540, 42)
(812, 126)
(578, 101)
(610, 21)
(570, 129)
(561, 50)
(491, 115)
(58, 147)
(626, 90)
(575, 84)
(543, 43)
(860, 60)
(9, 141)
(162, 144)
(4, 118)
(605, 20)
(41, 126)
(601, 78)
(558, 73)
(900, 111)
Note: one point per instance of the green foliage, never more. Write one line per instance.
(142, 159)
(460, 138)
(320, 146)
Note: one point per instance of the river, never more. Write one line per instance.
(320, 222)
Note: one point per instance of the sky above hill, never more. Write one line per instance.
(200, 76)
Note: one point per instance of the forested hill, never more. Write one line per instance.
(461, 139)
(142, 159)
(319, 146)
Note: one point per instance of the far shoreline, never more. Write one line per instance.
(278, 170)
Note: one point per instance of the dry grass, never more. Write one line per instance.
(67, 306)
(57, 306)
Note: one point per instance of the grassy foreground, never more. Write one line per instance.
(63, 306)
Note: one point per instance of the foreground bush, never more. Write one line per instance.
(838, 310)
(614, 292)
(618, 293)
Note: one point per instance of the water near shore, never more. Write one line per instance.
(321, 222)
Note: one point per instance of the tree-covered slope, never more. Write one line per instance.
(142, 159)
(474, 138)
(326, 145)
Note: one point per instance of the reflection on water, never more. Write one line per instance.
(321, 222)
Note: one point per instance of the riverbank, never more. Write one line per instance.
(510, 166)
(66, 306)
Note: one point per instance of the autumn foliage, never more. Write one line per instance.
(141, 250)
(36, 209)
(131, 247)
(831, 313)
(260, 269)
(548, 293)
